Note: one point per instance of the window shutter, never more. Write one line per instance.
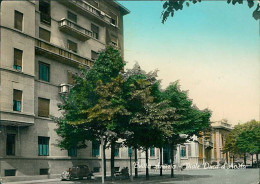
(43, 107)
(18, 20)
(44, 34)
(18, 56)
(17, 95)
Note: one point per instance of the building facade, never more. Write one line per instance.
(207, 148)
(42, 44)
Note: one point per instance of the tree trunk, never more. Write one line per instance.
(233, 160)
(172, 160)
(257, 165)
(252, 160)
(112, 160)
(244, 158)
(136, 168)
(105, 165)
(146, 168)
(161, 161)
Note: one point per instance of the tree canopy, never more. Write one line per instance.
(171, 6)
(244, 138)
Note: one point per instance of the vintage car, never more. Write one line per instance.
(77, 172)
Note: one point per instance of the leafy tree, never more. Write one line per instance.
(171, 6)
(189, 119)
(244, 138)
(80, 106)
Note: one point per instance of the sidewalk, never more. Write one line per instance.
(154, 178)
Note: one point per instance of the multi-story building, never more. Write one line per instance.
(42, 44)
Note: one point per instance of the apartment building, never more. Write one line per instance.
(42, 44)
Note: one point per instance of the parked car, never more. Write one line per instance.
(77, 172)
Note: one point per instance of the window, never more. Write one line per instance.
(10, 144)
(72, 152)
(183, 151)
(116, 152)
(44, 72)
(18, 58)
(72, 16)
(152, 152)
(94, 55)
(114, 40)
(17, 100)
(43, 146)
(130, 151)
(113, 21)
(72, 46)
(44, 171)
(95, 31)
(10, 172)
(43, 107)
(44, 34)
(71, 80)
(45, 9)
(96, 169)
(113, 18)
(95, 149)
(18, 20)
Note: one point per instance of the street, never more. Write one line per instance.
(220, 176)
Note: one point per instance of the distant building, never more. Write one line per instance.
(207, 148)
(220, 129)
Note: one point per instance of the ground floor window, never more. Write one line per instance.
(95, 149)
(96, 169)
(183, 152)
(116, 152)
(44, 171)
(43, 146)
(72, 152)
(10, 172)
(152, 152)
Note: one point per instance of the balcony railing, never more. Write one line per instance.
(82, 5)
(74, 29)
(57, 53)
(45, 18)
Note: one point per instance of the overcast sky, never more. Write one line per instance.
(213, 48)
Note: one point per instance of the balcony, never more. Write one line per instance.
(74, 29)
(208, 144)
(45, 18)
(88, 10)
(54, 52)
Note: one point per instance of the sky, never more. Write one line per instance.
(211, 47)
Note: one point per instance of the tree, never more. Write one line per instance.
(244, 138)
(149, 115)
(171, 6)
(189, 119)
(80, 106)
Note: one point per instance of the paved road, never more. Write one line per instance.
(221, 176)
